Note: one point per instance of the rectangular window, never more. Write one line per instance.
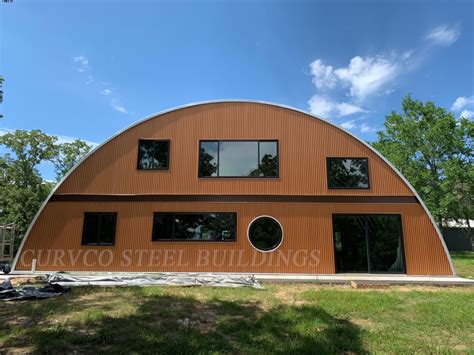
(99, 228)
(153, 154)
(179, 226)
(238, 159)
(348, 173)
(368, 243)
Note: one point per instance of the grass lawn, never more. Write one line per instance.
(283, 318)
(298, 318)
(464, 263)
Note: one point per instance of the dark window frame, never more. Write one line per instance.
(218, 141)
(168, 141)
(367, 240)
(347, 187)
(234, 214)
(114, 229)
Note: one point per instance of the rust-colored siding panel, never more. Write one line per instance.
(304, 145)
(307, 229)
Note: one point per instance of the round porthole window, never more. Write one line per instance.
(265, 233)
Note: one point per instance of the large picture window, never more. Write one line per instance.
(368, 243)
(348, 173)
(99, 228)
(238, 159)
(153, 154)
(180, 226)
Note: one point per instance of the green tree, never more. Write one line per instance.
(68, 155)
(22, 189)
(433, 150)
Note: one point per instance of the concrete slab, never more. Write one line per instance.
(363, 279)
(368, 279)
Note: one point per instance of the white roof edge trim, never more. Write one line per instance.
(199, 103)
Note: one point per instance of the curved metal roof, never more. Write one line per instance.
(199, 103)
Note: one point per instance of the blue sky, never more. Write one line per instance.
(89, 68)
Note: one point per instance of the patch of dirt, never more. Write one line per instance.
(363, 323)
(290, 294)
(21, 321)
(16, 350)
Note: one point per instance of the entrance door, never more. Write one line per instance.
(368, 243)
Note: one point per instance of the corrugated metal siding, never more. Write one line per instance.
(304, 144)
(307, 227)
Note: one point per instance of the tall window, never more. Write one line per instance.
(238, 159)
(348, 173)
(99, 228)
(219, 226)
(153, 154)
(368, 243)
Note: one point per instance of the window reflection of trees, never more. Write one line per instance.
(232, 165)
(208, 163)
(195, 226)
(348, 173)
(153, 154)
(268, 167)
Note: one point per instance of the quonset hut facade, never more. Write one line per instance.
(234, 186)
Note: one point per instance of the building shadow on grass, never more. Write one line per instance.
(174, 324)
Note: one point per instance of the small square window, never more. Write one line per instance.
(153, 154)
(99, 228)
(348, 173)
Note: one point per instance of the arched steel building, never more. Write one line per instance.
(235, 186)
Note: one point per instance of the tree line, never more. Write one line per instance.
(433, 150)
(429, 146)
(22, 188)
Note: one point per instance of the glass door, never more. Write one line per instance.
(368, 243)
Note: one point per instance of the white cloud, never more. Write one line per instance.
(367, 76)
(443, 35)
(365, 128)
(323, 76)
(407, 54)
(82, 63)
(462, 102)
(320, 106)
(117, 106)
(363, 76)
(348, 124)
(353, 125)
(346, 109)
(467, 114)
(325, 107)
(372, 75)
